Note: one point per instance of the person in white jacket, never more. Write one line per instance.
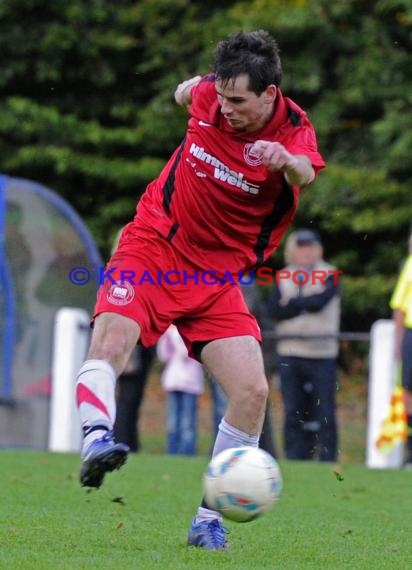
(183, 380)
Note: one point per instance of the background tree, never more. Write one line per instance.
(86, 104)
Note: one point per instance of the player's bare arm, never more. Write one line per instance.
(183, 95)
(297, 168)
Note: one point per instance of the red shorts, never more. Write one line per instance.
(150, 282)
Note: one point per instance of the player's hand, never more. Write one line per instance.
(182, 93)
(297, 169)
(275, 156)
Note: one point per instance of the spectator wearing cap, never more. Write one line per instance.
(306, 308)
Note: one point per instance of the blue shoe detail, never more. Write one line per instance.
(102, 456)
(208, 534)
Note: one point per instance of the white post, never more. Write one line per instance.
(70, 344)
(381, 385)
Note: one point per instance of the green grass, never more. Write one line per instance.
(48, 521)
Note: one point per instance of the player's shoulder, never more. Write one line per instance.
(296, 115)
(208, 78)
(204, 100)
(205, 86)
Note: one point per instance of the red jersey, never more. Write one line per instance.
(215, 200)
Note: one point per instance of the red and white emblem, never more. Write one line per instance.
(120, 293)
(250, 157)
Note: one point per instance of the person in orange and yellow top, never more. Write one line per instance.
(401, 303)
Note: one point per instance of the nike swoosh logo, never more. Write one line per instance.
(203, 124)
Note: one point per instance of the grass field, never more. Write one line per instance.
(139, 518)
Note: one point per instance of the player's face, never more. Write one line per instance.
(243, 109)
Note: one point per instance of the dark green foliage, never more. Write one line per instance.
(87, 100)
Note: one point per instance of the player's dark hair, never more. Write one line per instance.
(253, 53)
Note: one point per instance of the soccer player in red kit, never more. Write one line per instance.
(219, 207)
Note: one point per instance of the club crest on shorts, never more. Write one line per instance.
(120, 293)
(250, 157)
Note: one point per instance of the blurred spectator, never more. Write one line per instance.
(307, 311)
(311, 424)
(182, 378)
(130, 393)
(401, 303)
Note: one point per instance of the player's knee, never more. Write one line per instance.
(113, 339)
(262, 392)
(258, 393)
(112, 347)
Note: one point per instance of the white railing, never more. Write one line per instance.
(70, 344)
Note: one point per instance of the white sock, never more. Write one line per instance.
(91, 433)
(204, 514)
(227, 437)
(95, 391)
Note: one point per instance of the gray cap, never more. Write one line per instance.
(305, 236)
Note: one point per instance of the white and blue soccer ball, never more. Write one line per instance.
(242, 483)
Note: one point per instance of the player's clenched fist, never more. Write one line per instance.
(297, 168)
(274, 155)
(182, 93)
